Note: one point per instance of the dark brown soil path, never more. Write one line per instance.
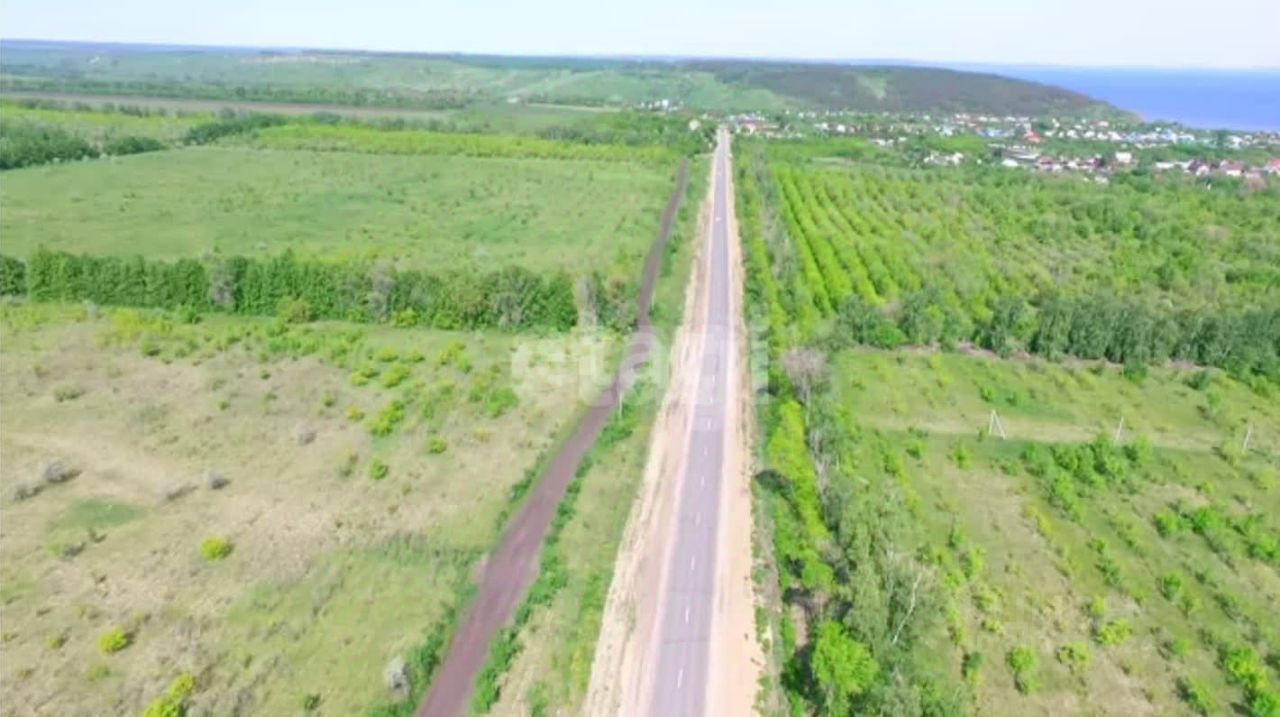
(511, 568)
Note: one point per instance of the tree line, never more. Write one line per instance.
(511, 298)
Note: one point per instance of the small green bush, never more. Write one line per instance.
(378, 470)
(292, 310)
(1113, 633)
(436, 445)
(215, 548)
(67, 393)
(1197, 696)
(971, 668)
(114, 640)
(1075, 656)
(173, 703)
(1023, 663)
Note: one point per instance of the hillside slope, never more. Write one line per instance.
(454, 81)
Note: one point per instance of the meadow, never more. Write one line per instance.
(276, 510)
(424, 211)
(999, 471)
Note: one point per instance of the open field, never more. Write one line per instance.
(1167, 535)
(101, 126)
(367, 470)
(425, 211)
(505, 117)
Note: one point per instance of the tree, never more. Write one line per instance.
(842, 667)
(806, 368)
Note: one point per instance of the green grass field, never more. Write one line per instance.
(432, 212)
(367, 469)
(1019, 556)
(100, 126)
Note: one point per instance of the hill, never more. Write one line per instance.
(440, 81)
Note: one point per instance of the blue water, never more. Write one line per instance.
(1209, 99)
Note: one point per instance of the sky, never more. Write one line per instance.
(1113, 33)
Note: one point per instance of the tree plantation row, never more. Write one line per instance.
(35, 132)
(511, 298)
(1136, 273)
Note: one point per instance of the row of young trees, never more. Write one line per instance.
(890, 257)
(510, 298)
(362, 138)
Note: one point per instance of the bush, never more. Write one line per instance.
(1112, 633)
(436, 445)
(215, 548)
(1197, 696)
(114, 640)
(120, 146)
(378, 470)
(971, 668)
(1075, 656)
(292, 310)
(23, 144)
(1023, 663)
(173, 703)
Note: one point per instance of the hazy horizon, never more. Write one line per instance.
(965, 65)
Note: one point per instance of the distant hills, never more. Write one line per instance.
(449, 81)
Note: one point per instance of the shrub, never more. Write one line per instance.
(120, 146)
(1075, 656)
(1023, 663)
(1197, 696)
(1112, 633)
(292, 310)
(173, 703)
(388, 418)
(1263, 703)
(436, 445)
(114, 640)
(215, 548)
(1168, 524)
(500, 401)
(1176, 648)
(960, 455)
(1243, 668)
(971, 668)
(67, 393)
(1170, 586)
(395, 376)
(378, 470)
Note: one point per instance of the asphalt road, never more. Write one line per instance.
(680, 674)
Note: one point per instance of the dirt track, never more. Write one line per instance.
(511, 568)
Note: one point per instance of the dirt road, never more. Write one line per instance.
(511, 568)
